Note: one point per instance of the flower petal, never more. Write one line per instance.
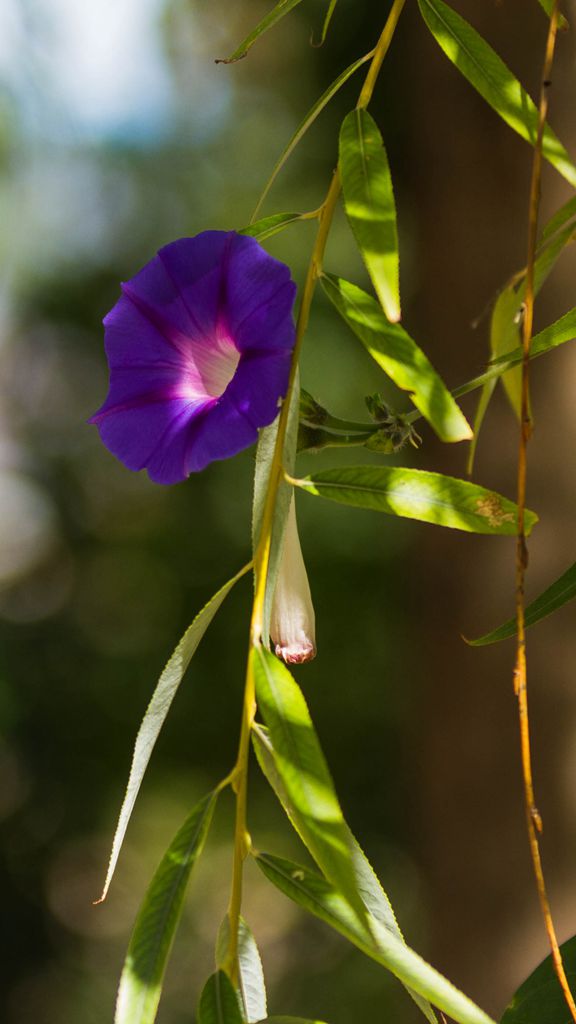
(259, 297)
(197, 269)
(153, 436)
(199, 348)
(222, 432)
(261, 380)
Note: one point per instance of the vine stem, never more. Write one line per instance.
(242, 842)
(533, 819)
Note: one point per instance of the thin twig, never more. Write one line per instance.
(533, 819)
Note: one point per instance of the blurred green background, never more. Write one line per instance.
(119, 133)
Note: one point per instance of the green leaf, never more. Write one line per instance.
(141, 981)
(547, 254)
(367, 883)
(369, 204)
(560, 331)
(539, 1000)
(279, 11)
(505, 324)
(481, 409)
(264, 460)
(328, 18)
(399, 356)
(308, 120)
(219, 1002)
(559, 219)
(547, 6)
(484, 69)
(268, 226)
(417, 494)
(319, 897)
(252, 988)
(157, 711)
(504, 338)
(371, 892)
(305, 775)
(556, 595)
(556, 334)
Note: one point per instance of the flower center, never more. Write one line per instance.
(210, 366)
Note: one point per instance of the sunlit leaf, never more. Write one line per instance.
(371, 892)
(369, 204)
(540, 1000)
(557, 594)
(484, 69)
(305, 776)
(319, 897)
(219, 1002)
(399, 356)
(418, 494)
(157, 711)
(279, 11)
(264, 461)
(309, 119)
(252, 988)
(157, 921)
(268, 226)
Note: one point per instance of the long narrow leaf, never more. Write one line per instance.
(141, 981)
(557, 594)
(264, 460)
(484, 69)
(505, 329)
(504, 338)
(371, 892)
(305, 776)
(219, 1002)
(269, 226)
(251, 985)
(559, 219)
(279, 11)
(399, 356)
(369, 204)
(367, 883)
(157, 711)
(551, 337)
(327, 19)
(418, 494)
(308, 120)
(320, 898)
(481, 410)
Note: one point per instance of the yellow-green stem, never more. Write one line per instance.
(262, 553)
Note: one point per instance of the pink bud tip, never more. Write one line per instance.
(297, 654)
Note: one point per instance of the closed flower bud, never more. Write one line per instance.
(292, 624)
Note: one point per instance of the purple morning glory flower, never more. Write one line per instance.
(199, 347)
